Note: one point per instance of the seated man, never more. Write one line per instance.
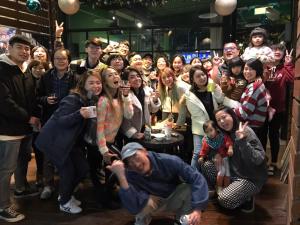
(155, 182)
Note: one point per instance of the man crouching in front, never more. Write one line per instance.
(153, 182)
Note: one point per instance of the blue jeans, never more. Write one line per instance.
(9, 151)
(197, 147)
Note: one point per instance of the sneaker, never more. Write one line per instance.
(11, 215)
(28, 192)
(70, 207)
(46, 193)
(248, 206)
(271, 170)
(75, 200)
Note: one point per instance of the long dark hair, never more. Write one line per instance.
(235, 119)
(140, 94)
(193, 70)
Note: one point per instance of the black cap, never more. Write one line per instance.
(19, 39)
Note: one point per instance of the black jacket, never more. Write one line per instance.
(45, 88)
(17, 99)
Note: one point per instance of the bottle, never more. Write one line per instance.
(168, 127)
(184, 220)
(147, 133)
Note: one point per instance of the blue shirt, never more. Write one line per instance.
(168, 171)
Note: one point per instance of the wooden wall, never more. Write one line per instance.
(293, 208)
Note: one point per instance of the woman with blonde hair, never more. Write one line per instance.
(170, 93)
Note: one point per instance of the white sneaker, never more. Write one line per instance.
(46, 193)
(76, 201)
(73, 199)
(70, 207)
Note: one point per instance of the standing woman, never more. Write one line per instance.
(41, 53)
(281, 75)
(144, 102)
(201, 104)
(247, 165)
(161, 63)
(170, 93)
(253, 101)
(61, 137)
(113, 105)
(178, 63)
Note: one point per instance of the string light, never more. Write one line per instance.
(125, 3)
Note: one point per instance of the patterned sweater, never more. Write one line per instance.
(109, 121)
(253, 104)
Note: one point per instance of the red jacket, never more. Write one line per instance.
(277, 83)
(205, 148)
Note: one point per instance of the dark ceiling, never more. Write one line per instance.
(186, 12)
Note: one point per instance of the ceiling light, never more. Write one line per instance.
(113, 17)
(139, 24)
(207, 15)
(260, 11)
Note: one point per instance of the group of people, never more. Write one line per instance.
(75, 115)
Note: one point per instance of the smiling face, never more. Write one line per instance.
(139, 162)
(61, 62)
(117, 63)
(278, 54)
(230, 51)
(93, 51)
(224, 120)
(200, 78)
(93, 84)
(167, 79)
(161, 63)
(134, 79)
(38, 71)
(112, 78)
(177, 64)
(211, 132)
(249, 74)
(19, 53)
(136, 62)
(40, 54)
(257, 40)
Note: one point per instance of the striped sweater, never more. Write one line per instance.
(109, 121)
(253, 104)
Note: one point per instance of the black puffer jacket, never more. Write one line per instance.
(17, 99)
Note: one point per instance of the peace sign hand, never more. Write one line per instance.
(288, 56)
(241, 132)
(59, 29)
(217, 61)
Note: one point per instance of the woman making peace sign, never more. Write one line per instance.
(247, 165)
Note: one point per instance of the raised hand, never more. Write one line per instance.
(288, 56)
(59, 29)
(217, 61)
(241, 132)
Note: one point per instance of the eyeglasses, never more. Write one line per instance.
(228, 49)
(61, 59)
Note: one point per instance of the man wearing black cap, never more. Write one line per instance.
(152, 182)
(16, 117)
